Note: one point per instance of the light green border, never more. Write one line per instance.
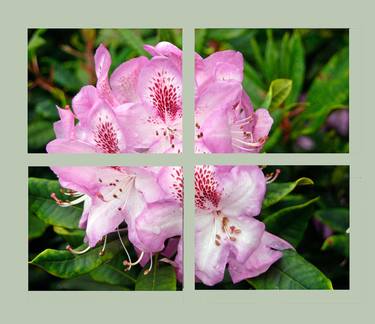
(19, 305)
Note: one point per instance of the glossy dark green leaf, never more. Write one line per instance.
(36, 226)
(161, 277)
(113, 273)
(43, 206)
(337, 219)
(73, 236)
(87, 284)
(338, 243)
(64, 264)
(296, 67)
(292, 271)
(276, 191)
(290, 223)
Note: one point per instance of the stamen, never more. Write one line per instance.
(66, 203)
(127, 263)
(250, 144)
(71, 250)
(126, 251)
(101, 253)
(272, 176)
(146, 272)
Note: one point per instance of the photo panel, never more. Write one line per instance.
(274, 227)
(105, 91)
(105, 228)
(272, 90)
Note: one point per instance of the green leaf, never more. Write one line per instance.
(85, 283)
(271, 56)
(292, 271)
(329, 90)
(161, 277)
(40, 132)
(166, 35)
(200, 38)
(278, 91)
(35, 42)
(64, 264)
(113, 273)
(73, 236)
(297, 67)
(253, 84)
(337, 219)
(43, 206)
(36, 227)
(256, 54)
(290, 223)
(337, 243)
(47, 109)
(133, 40)
(278, 190)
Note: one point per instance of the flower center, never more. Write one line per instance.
(242, 136)
(226, 230)
(178, 184)
(207, 194)
(165, 95)
(106, 137)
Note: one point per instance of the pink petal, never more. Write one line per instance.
(263, 123)
(64, 128)
(84, 101)
(78, 178)
(163, 49)
(69, 146)
(267, 253)
(251, 232)
(102, 65)
(243, 193)
(146, 183)
(139, 131)
(210, 258)
(158, 222)
(216, 132)
(124, 79)
(103, 218)
(160, 87)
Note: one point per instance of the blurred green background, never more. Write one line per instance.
(61, 61)
(316, 61)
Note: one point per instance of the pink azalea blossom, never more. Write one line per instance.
(113, 195)
(225, 119)
(137, 109)
(226, 201)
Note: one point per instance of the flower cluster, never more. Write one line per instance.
(137, 109)
(225, 118)
(147, 200)
(226, 200)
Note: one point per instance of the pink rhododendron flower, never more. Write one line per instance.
(137, 109)
(113, 195)
(226, 201)
(225, 119)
